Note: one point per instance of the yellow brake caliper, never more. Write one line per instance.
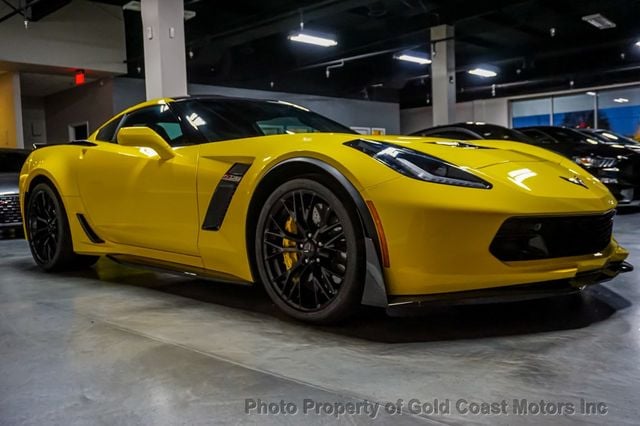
(290, 258)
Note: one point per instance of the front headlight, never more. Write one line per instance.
(596, 162)
(417, 165)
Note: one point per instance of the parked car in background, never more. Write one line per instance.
(614, 164)
(474, 130)
(11, 161)
(611, 138)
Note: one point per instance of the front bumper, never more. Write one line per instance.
(399, 305)
(439, 237)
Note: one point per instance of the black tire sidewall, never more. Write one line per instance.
(64, 255)
(350, 292)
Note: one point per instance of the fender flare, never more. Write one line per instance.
(375, 291)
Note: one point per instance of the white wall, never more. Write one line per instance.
(495, 111)
(351, 112)
(83, 34)
(33, 120)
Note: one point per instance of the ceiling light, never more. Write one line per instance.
(621, 100)
(415, 57)
(483, 72)
(638, 43)
(316, 39)
(599, 21)
(591, 93)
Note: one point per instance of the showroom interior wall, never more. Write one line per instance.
(352, 112)
(10, 122)
(34, 121)
(81, 35)
(91, 103)
(494, 111)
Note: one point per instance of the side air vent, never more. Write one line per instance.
(222, 196)
(91, 234)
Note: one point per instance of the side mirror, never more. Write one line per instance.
(143, 136)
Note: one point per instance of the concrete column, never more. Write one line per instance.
(165, 66)
(443, 74)
(10, 111)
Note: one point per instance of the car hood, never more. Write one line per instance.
(502, 162)
(474, 154)
(9, 183)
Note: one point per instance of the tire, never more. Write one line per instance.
(309, 252)
(49, 234)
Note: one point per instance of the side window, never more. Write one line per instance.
(108, 132)
(160, 119)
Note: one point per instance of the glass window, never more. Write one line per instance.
(576, 111)
(226, 119)
(491, 131)
(160, 119)
(534, 112)
(538, 137)
(108, 132)
(619, 111)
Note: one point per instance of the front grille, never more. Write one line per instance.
(530, 238)
(10, 209)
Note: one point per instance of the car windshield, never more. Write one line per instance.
(12, 161)
(224, 119)
(491, 131)
(569, 136)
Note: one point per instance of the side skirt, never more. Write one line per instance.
(175, 268)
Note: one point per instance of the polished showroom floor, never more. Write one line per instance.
(114, 345)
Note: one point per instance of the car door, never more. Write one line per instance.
(134, 197)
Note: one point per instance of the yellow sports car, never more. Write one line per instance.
(326, 219)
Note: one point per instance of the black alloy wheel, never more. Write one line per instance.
(310, 252)
(48, 232)
(44, 229)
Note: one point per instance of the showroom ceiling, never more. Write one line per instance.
(535, 45)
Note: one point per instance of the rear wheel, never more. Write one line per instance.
(309, 252)
(48, 232)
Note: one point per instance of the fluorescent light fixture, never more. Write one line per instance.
(315, 39)
(599, 21)
(415, 57)
(591, 93)
(621, 100)
(483, 72)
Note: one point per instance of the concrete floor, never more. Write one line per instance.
(114, 345)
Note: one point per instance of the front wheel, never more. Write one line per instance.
(310, 252)
(48, 232)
